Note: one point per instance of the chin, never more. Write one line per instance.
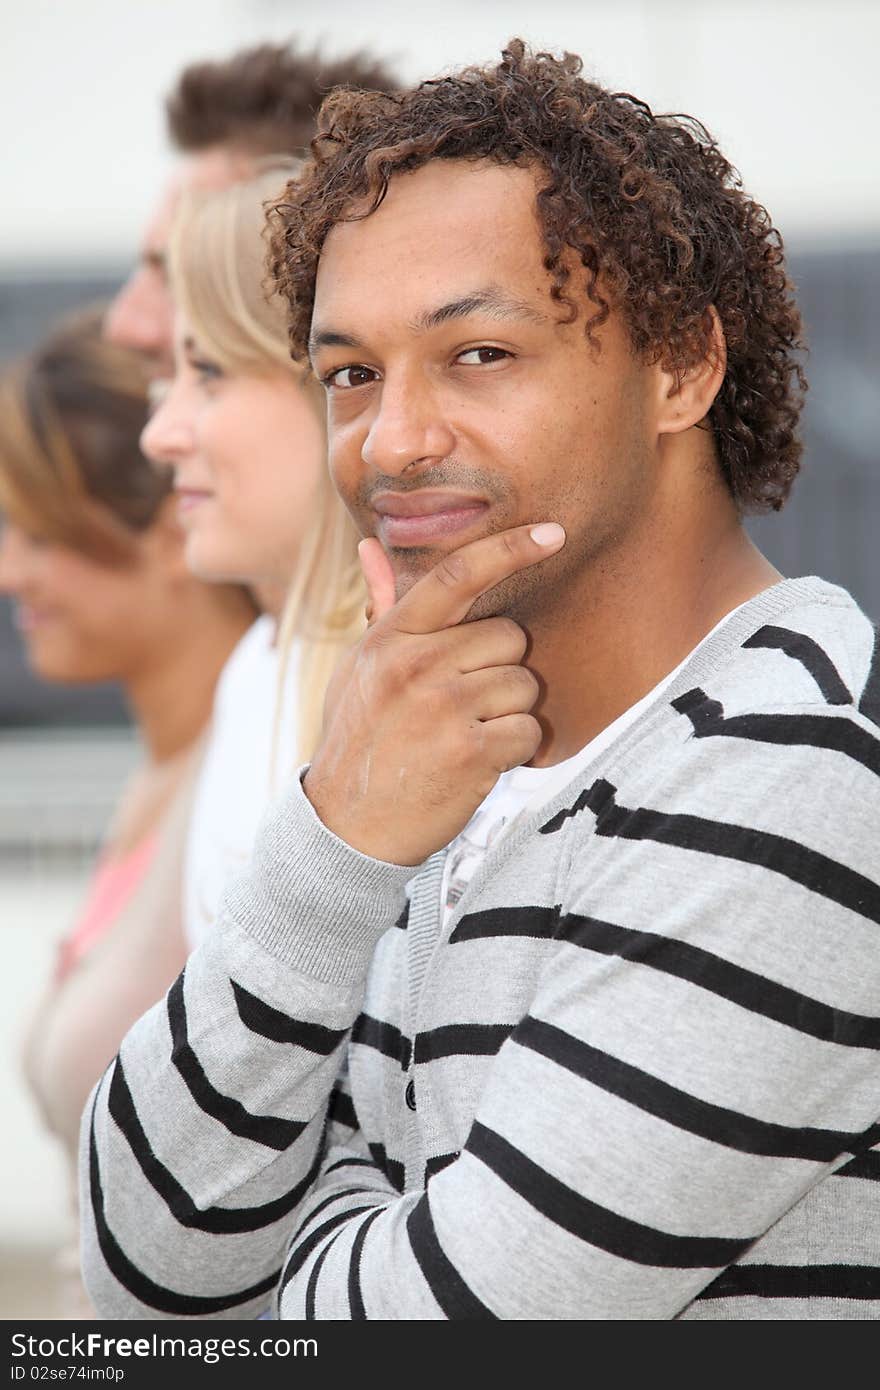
(66, 670)
(215, 566)
(410, 566)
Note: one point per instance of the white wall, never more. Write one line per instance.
(789, 86)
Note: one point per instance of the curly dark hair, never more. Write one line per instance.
(263, 100)
(650, 205)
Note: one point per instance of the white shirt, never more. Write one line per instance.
(237, 778)
(527, 788)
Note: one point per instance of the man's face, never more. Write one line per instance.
(142, 314)
(459, 402)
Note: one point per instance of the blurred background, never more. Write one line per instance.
(789, 88)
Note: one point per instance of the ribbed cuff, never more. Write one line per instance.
(310, 899)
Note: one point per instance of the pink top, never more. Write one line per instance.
(113, 883)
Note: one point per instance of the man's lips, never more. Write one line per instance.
(418, 518)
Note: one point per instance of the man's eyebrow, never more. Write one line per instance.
(326, 337)
(493, 302)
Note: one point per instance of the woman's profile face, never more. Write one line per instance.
(248, 453)
(81, 620)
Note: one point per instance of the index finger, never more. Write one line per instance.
(445, 595)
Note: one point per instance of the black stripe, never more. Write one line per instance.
(592, 1223)
(312, 1286)
(341, 1109)
(556, 822)
(436, 1164)
(355, 1296)
(349, 1163)
(338, 1196)
(218, 1220)
(759, 848)
(298, 1257)
(796, 1281)
(710, 972)
(452, 1294)
(391, 1167)
(811, 656)
(403, 920)
(382, 1037)
(506, 921)
(869, 704)
(867, 1165)
(461, 1039)
(713, 1122)
(270, 1130)
(138, 1284)
(270, 1023)
(839, 735)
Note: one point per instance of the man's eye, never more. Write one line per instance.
(481, 356)
(345, 378)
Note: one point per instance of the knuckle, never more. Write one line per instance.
(511, 636)
(512, 681)
(452, 571)
(511, 629)
(526, 734)
(510, 541)
(414, 662)
(528, 685)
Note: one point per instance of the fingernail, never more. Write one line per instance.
(548, 533)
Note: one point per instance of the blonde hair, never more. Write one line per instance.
(219, 280)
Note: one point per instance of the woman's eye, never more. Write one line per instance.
(206, 371)
(481, 356)
(345, 378)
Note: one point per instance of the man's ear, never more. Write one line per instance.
(686, 395)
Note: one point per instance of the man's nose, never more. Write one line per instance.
(409, 427)
(141, 315)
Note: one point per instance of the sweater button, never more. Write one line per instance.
(409, 1094)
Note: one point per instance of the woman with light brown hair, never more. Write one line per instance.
(242, 427)
(92, 555)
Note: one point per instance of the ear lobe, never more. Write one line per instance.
(688, 394)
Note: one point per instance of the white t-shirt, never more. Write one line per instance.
(527, 788)
(237, 778)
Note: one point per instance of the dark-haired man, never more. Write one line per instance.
(223, 116)
(551, 992)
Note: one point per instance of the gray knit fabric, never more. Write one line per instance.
(634, 1076)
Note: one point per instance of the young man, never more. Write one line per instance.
(594, 1038)
(223, 117)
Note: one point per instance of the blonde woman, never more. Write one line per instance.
(242, 427)
(92, 556)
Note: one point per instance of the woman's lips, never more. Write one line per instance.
(27, 618)
(189, 498)
(414, 519)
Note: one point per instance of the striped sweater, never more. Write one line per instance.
(634, 1076)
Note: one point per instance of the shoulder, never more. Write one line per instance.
(818, 649)
(253, 662)
(759, 765)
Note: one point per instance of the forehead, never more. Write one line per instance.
(207, 170)
(442, 230)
